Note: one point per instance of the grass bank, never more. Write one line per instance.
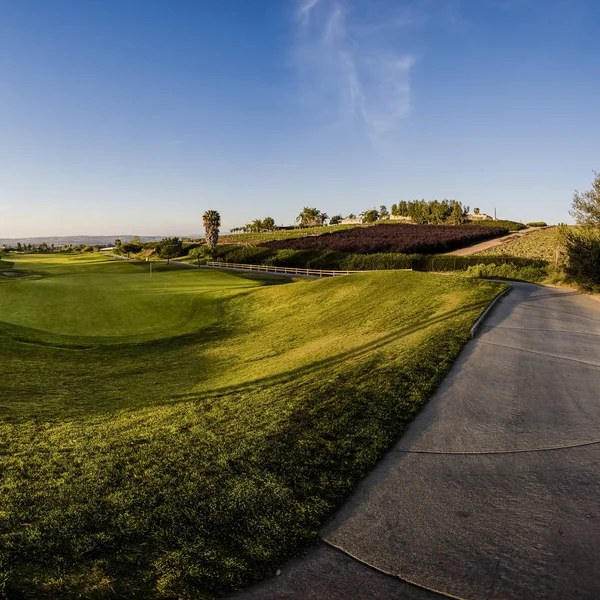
(179, 437)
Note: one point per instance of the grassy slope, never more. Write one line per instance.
(541, 245)
(189, 465)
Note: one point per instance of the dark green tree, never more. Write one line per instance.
(268, 224)
(169, 248)
(370, 216)
(311, 217)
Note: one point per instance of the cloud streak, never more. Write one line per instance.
(347, 65)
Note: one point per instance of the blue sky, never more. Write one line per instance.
(135, 116)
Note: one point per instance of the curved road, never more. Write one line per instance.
(493, 492)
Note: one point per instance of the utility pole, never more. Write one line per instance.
(495, 218)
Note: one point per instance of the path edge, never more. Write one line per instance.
(475, 327)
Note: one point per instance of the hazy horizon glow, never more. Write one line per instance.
(136, 116)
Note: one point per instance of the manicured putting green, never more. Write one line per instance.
(102, 297)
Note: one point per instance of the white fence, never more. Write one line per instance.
(281, 270)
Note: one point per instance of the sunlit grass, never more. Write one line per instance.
(192, 457)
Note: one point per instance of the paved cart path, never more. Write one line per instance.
(493, 243)
(494, 490)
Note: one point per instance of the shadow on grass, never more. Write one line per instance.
(356, 353)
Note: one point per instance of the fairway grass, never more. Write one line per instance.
(179, 436)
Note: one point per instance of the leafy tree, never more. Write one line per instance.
(585, 208)
(335, 220)
(131, 247)
(383, 212)
(118, 243)
(351, 216)
(476, 211)
(268, 224)
(370, 216)
(394, 209)
(256, 226)
(212, 222)
(459, 213)
(169, 248)
(311, 217)
(19, 247)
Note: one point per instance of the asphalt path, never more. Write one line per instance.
(475, 249)
(493, 492)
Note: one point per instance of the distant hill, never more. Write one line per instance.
(104, 240)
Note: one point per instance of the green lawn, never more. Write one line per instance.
(180, 436)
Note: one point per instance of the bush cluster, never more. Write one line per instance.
(583, 257)
(537, 224)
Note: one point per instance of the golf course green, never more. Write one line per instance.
(180, 434)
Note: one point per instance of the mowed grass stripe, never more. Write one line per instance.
(191, 464)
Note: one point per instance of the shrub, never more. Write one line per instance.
(583, 257)
(508, 271)
(374, 262)
(537, 224)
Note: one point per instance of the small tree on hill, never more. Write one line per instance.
(459, 213)
(383, 212)
(169, 248)
(370, 216)
(268, 224)
(212, 222)
(476, 211)
(311, 217)
(335, 220)
(585, 208)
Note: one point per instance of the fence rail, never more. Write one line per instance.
(281, 270)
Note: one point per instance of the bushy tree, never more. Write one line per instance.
(169, 248)
(311, 217)
(585, 208)
(370, 216)
(459, 213)
(583, 255)
(383, 212)
(212, 222)
(268, 224)
(133, 246)
(335, 220)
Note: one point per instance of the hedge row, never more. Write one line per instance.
(332, 259)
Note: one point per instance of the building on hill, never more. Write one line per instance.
(351, 222)
(480, 217)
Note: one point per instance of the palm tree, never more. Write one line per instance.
(212, 220)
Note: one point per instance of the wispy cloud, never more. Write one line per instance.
(304, 9)
(353, 60)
